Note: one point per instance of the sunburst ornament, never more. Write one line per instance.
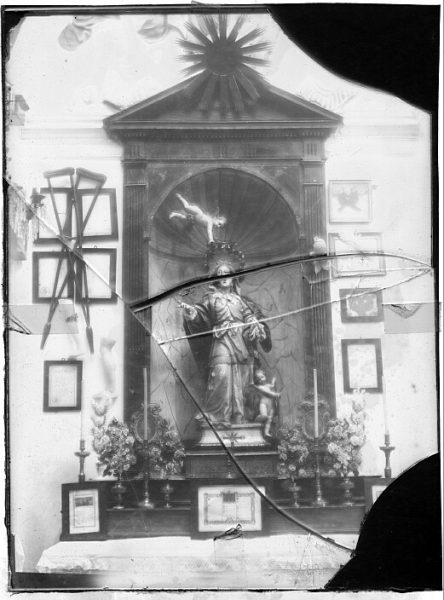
(221, 63)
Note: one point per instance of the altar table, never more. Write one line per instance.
(273, 562)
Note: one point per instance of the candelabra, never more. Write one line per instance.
(82, 454)
(146, 502)
(387, 449)
(319, 500)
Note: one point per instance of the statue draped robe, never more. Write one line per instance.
(231, 356)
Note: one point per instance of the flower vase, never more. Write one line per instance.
(347, 485)
(294, 489)
(118, 489)
(167, 490)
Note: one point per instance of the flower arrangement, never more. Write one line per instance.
(345, 438)
(293, 452)
(114, 447)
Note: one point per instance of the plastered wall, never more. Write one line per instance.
(395, 160)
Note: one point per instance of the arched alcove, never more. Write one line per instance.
(258, 220)
(263, 226)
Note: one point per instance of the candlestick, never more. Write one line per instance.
(82, 411)
(384, 405)
(146, 502)
(319, 500)
(316, 408)
(387, 449)
(145, 404)
(82, 454)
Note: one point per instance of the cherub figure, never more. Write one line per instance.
(266, 397)
(195, 213)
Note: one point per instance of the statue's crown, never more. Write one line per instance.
(224, 253)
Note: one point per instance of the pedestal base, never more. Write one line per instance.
(207, 463)
(247, 435)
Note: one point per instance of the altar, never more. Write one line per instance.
(281, 561)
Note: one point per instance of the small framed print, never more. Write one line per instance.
(102, 221)
(221, 506)
(84, 511)
(350, 202)
(362, 254)
(361, 305)
(48, 227)
(44, 272)
(362, 365)
(62, 387)
(100, 266)
(373, 488)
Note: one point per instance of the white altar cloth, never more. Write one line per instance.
(274, 562)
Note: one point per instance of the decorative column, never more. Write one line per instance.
(135, 281)
(318, 293)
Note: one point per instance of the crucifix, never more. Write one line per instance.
(72, 247)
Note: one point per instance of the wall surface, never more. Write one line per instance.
(383, 141)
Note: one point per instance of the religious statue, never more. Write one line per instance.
(265, 398)
(230, 355)
(195, 214)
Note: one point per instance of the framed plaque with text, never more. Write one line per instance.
(83, 511)
(222, 506)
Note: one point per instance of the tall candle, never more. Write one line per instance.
(384, 406)
(145, 404)
(316, 411)
(83, 412)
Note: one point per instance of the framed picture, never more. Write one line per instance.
(361, 305)
(48, 229)
(362, 365)
(84, 511)
(222, 505)
(350, 202)
(100, 266)
(102, 222)
(62, 385)
(44, 271)
(373, 488)
(356, 260)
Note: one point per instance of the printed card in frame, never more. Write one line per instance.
(362, 365)
(84, 511)
(222, 505)
(361, 305)
(361, 254)
(62, 386)
(350, 202)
